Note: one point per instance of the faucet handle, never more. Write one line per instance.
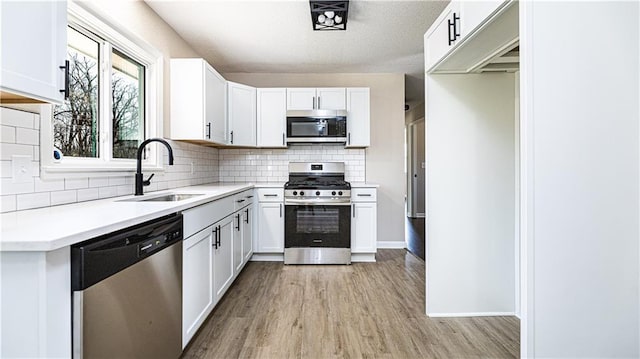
(148, 180)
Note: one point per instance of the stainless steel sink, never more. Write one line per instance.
(169, 197)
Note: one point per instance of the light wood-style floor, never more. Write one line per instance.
(365, 310)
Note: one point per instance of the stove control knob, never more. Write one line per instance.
(339, 193)
(317, 193)
(295, 193)
(333, 193)
(301, 193)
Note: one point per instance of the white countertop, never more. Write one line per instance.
(364, 185)
(50, 228)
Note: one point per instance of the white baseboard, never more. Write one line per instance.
(473, 314)
(391, 245)
(267, 257)
(363, 257)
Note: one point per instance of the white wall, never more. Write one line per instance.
(385, 157)
(470, 194)
(580, 75)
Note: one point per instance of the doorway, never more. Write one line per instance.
(415, 203)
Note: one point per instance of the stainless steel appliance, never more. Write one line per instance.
(317, 126)
(127, 292)
(317, 214)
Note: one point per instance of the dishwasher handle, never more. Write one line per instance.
(99, 258)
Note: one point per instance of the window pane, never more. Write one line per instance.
(127, 91)
(75, 122)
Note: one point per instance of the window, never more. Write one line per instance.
(114, 101)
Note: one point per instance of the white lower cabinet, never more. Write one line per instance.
(222, 257)
(238, 255)
(247, 219)
(269, 224)
(197, 283)
(213, 254)
(270, 228)
(364, 221)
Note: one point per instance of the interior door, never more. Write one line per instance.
(416, 170)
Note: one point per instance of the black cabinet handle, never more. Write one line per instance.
(314, 102)
(364, 194)
(450, 25)
(349, 138)
(215, 238)
(283, 139)
(232, 137)
(66, 79)
(209, 130)
(353, 210)
(456, 21)
(247, 212)
(240, 201)
(270, 195)
(238, 226)
(318, 102)
(280, 210)
(219, 234)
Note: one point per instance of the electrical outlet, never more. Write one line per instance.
(21, 168)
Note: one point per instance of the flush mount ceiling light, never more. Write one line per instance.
(329, 14)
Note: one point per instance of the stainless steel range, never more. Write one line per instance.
(317, 214)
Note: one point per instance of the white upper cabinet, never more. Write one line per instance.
(474, 13)
(468, 34)
(442, 35)
(305, 98)
(332, 98)
(242, 114)
(358, 117)
(271, 117)
(198, 102)
(33, 51)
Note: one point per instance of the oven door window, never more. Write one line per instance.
(318, 226)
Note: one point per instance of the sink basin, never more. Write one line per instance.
(169, 197)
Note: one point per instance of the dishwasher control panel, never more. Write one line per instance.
(150, 245)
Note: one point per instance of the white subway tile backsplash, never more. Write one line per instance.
(106, 192)
(9, 149)
(117, 181)
(27, 136)
(98, 182)
(5, 169)
(48, 185)
(33, 200)
(8, 187)
(7, 203)
(7, 134)
(88, 194)
(16, 118)
(63, 197)
(76, 183)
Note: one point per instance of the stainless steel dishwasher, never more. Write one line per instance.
(127, 292)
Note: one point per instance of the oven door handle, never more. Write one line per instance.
(294, 202)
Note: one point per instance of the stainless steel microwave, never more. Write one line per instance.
(317, 126)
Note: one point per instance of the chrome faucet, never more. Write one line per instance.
(140, 183)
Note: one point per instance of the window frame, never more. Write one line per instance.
(113, 35)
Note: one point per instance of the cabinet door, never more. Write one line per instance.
(301, 98)
(197, 282)
(270, 228)
(215, 124)
(223, 256)
(247, 233)
(363, 227)
(33, 47)
(242, 114)
(238, 253)
(358, 117)
(474, 13)
(272, 117)
(437, 38)
(331, 98)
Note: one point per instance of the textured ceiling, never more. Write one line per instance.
(276, 36)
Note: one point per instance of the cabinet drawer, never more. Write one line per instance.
(243, 199)
(270, 194)
(363, 194)
(203, 216)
